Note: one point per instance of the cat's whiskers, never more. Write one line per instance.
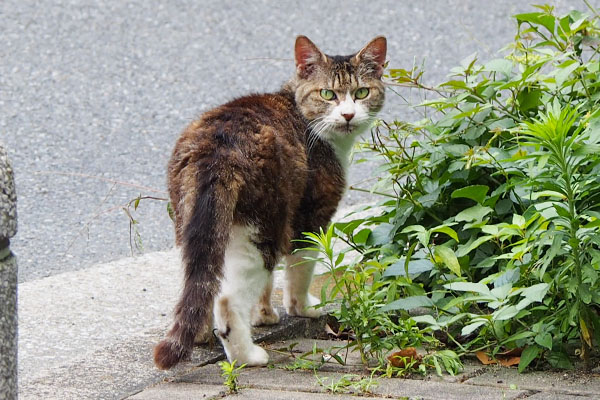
(315, 128)
(317, 133)
(309, 130)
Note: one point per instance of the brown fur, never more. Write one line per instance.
(248, 162)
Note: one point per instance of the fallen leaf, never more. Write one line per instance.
(484, 358)
(509, 362)
(404, 357)
(506, 359)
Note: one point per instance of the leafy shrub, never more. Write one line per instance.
(491, 211)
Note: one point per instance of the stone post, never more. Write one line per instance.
(8, 282)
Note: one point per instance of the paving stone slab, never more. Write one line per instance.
(558, 396)
(306, 381)
(257, 394)
(125, 368)
(398, 388)
(181, 391)
(571, 382)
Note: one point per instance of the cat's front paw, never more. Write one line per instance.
(305, 308)
(254, 356)
(264, 316)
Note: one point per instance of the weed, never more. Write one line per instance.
(230, 372)
(347, 382)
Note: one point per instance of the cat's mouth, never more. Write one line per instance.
(345, 128)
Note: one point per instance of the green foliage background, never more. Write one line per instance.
(490, 214)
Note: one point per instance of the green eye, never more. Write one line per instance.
(327, 94)
(361, 93)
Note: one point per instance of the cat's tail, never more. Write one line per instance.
(205, 236)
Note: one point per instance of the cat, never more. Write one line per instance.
(247, 179)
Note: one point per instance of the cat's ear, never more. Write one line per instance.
(374, 53)
(307, 56)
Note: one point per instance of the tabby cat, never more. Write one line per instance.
(248, 178)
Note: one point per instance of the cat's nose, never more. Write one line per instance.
(348, 116)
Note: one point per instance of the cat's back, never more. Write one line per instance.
(243, 123)
(255, 143)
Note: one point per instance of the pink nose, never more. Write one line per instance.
(348, 116)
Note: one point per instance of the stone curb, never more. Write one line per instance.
(8, 281)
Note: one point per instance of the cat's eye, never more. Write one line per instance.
(361, 93)
(327, 94)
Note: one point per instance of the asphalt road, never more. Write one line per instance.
(93, 95)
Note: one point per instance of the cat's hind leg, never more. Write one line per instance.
(205, 334)
(263, 312)
(244, 280)
(298, 275)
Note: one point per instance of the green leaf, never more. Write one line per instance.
(471, 327)
(519, 221)
(505, 313)
(408, 303)
(584, 293)
(518, 336)
(469, 287)
(501, 65)
(447, 256)
(527, 356)
(503, 206)
(537, 18)
(559, 359)
(535, 293)
(171, 211)
(456, 150)
(427, 319)
(414, 228)
(381, 234)
(529, 99)
(447, 230)
(415, 267)
(362, 236)
(473, 192)
(463, 250)
(544, 339)
(475, 213)
(565, 69)
(509, 276)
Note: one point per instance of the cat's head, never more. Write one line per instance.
(339, 95)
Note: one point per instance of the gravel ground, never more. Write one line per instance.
(93, 95)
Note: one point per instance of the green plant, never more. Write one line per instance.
(363, 290)
(231, 373)
(560, 137)
(489, 215)
(347, 382)
(310, 360)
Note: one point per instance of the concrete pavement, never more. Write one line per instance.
(89, 334)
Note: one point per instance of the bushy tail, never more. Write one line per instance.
(205, 237)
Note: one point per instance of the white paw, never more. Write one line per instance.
(255, 356)
(264, 316)
(303, 308)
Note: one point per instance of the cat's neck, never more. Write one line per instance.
(343, 149)
(342, 146)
